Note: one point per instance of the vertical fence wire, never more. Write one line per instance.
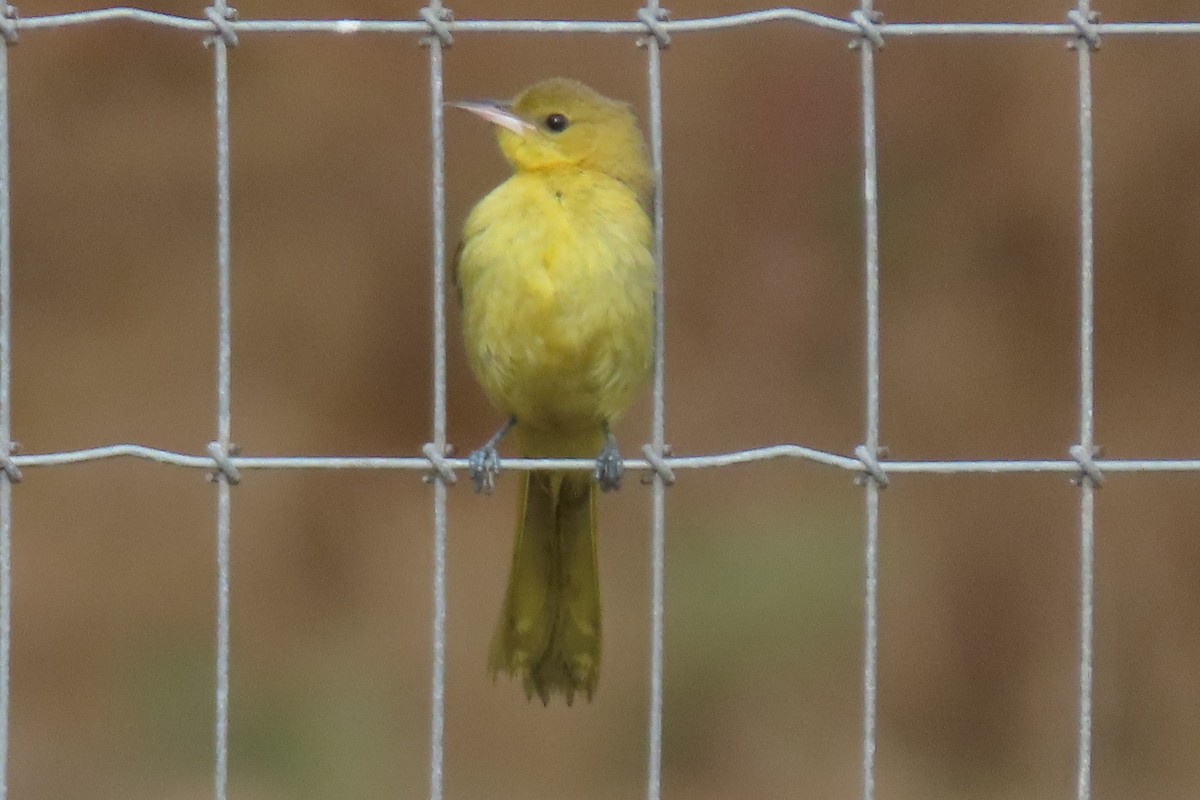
(6, 478)
(1087, 399)
(871, 485)
(437, 698)
(224, 405)
(658, 425)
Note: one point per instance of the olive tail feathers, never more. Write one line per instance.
(549, 631)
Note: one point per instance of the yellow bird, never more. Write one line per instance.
(556, 276)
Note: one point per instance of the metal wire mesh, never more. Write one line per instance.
(866, 30)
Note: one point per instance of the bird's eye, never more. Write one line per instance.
(557, 123)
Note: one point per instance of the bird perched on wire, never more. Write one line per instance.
(556, 275)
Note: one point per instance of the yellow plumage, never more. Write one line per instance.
(556, 275)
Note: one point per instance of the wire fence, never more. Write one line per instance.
(864, 30)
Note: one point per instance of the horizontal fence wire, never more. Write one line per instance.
(732, 458)
(628, 27)
(865, 29)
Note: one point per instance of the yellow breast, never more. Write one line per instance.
(557, 280)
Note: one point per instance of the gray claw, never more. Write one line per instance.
(483, 465)
(609, 468)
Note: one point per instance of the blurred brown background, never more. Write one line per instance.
(114, 321)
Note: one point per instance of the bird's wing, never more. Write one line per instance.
(454, 270)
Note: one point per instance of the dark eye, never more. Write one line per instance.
(557, 123)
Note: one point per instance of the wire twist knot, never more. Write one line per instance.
(1086, 29)
(8, 23)
(437, 20)
(221, 25)
(869, 25)
(659, 464)
(441, 467)
(223, 466)
(7, 464)
(653, 20)
(1089, 470)
(872, 468)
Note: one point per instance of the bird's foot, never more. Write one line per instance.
(483, 465)
(609, 467)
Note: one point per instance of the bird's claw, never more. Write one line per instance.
(483, 465)
(609, 469)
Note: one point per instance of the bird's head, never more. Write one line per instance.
(559, 123)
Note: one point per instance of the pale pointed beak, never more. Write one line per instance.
(497, 113)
